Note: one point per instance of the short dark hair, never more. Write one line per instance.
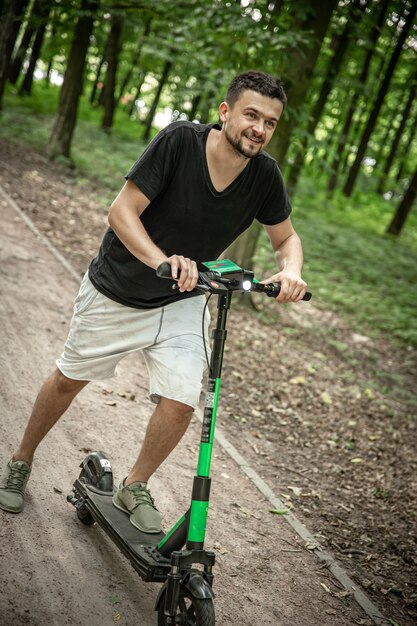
(262, 83)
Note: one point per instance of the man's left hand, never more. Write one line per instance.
(293, 287)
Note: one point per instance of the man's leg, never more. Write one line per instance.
(167, 425)
(54, 398)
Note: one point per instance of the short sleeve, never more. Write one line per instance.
(152, 171)
(276, 206)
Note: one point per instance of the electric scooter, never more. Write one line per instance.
(186, 596)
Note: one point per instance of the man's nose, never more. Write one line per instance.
(259, 127)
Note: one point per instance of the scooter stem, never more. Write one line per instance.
(201, 484)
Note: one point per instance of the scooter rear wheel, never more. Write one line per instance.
(191, 611)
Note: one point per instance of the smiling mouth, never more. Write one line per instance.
(254, 140)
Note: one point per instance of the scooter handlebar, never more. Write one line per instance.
(164, 270)
(215, 282)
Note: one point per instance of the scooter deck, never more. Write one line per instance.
(138, 547)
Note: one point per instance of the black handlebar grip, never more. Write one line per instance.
(272, 290)
(164, 270)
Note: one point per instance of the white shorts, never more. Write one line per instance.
(102, 332)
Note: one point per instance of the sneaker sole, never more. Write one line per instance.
(119, 505)
(15, 511)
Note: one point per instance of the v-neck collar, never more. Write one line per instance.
(235, 182)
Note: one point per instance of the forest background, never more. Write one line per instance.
(345, 143)
(86, 84)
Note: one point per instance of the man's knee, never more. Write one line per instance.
(66, 385)
(178, 410)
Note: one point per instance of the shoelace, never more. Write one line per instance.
(16, 479)
(141, 495)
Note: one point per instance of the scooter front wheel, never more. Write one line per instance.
(191, 611)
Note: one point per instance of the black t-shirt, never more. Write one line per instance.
(186, 214)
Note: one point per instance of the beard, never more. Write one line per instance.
(239, 148)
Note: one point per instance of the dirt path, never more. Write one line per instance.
(56, 571)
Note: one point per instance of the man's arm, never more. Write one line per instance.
(124, 219)
(289, 256)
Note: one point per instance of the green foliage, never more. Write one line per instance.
(96, 154)
(350, 264)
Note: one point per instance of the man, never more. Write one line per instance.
(191, 193)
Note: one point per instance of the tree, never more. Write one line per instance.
(406, 150)
(398, 134)
(341, 44)
(12, 16)
(135, 59)
(113, 50)
(151, 114)
(383, 89)
(19, 57)
(299, 69)
(43, 14)
(404, 207)
(65, 120)
(363, 77)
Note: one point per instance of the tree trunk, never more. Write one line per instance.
(65, 120)
(242, 250)
(149, 118)
(334, 66)
(97, 79)
(195, 102)
(19, 57)
(363, 77)
(404, 207)
(137, 93)
(135, 59)
(370, 125)
(26, 86)
(113, 52)
(204, 106)
(399, 132)
(406, 150)
(13, 13)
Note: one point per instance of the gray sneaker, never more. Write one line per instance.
(136, 500)
(13, 485)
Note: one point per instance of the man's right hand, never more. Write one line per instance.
(184, 270)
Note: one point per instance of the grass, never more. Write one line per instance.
(350, 264)
(106, 157)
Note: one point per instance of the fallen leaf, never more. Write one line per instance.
(298, 380)
(279, 511)
(325, 397)
(369, 394)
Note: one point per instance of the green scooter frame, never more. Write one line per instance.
(186, 596)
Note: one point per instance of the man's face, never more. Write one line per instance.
(249, 125)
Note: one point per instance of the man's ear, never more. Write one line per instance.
(223, 110)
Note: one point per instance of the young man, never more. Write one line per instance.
(191, 193)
